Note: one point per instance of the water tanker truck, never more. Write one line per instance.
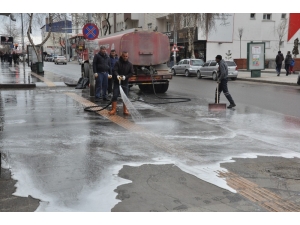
(148, 51)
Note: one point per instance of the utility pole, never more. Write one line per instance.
(174, 39)
(23, 44)
(91, 74)
(66, 40)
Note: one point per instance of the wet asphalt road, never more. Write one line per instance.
(70, 159)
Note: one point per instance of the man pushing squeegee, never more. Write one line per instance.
(222, 86)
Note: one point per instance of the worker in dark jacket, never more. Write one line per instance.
(287, 62)
(279, 59)
(113, 59)
(222, 81)
(102, 72)
(123, 70)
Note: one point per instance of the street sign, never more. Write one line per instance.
(90, 31)
(175, 49)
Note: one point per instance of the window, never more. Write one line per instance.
(180, 62)
(283, 16)
(213, 63)
(206, 64)
(149, 25)
(196, 62)
(252, 16)
(185, 62)
(168, 26)
(185, 21)
(267, 44)
(267, 16)
(230, 63)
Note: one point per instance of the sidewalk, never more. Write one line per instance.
(269, 76)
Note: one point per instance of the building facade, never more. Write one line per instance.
(229, 37)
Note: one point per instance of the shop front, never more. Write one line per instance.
(183, 44)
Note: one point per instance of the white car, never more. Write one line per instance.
(60, 59)
(187, 67)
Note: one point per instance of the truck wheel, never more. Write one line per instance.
(146, 88)
(161, 88)
(86, 70)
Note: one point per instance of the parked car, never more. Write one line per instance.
(60, 59)
(210, 69)
(187, 67)
(48, 58)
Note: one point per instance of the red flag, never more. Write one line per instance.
(294, 24)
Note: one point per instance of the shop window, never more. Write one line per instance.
(168, 26)
(267, 44)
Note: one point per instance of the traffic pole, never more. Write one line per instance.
(91, 73)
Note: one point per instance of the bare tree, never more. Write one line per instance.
(107, 26)
(190, 21)
(12, 30)
(31, 18)
(240, 30)
(281, 31)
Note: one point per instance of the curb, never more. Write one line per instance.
(17, 85)
(270, 82)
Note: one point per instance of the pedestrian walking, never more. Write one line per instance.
(15, 58)
(292, 66)
(279, 59)
(2, 56)
(102, 71)
(171, 62)
(287, 62)
(113, 59)
(9, 56)
(123, 70)
(222, 81)
(5, 57)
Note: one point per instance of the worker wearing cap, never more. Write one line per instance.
(222, 81)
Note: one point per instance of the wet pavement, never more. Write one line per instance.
(179, 158)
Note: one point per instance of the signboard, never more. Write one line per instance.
(256, 56)
(5, 40)
(90, 31)
(32, 57)
(57, 27)
(223, 31)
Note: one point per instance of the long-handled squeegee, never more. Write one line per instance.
(217, 106)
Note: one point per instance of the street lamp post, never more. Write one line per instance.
(66, 40)
(175, 39)
(23, 44)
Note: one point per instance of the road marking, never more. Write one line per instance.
(46, 81)
(261, 196)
